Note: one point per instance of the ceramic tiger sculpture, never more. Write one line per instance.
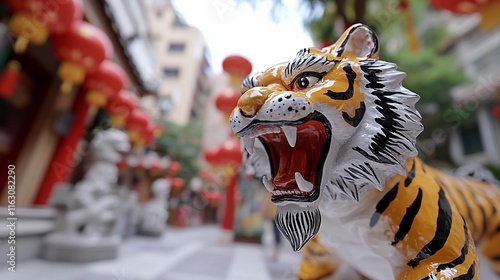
(338, 131)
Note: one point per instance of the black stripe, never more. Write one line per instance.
(358, 116)
(481, 209)
(496, 258)
(469, 210)
(407, 221)
(443, 228)
(411, 175)
(483, 215)
(383, 204)
(349, 92)
(460, 259)
(470, 273)
(341, 48)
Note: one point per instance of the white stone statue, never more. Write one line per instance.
(153, 217)
(91, 208)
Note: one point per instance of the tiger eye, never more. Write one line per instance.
(302, 82)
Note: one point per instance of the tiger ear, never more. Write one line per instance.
(359, 41)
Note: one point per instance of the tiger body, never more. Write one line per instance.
(418, 228)
(336, 133)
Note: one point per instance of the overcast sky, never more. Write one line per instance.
(240, 29)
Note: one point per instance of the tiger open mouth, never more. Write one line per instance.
(297, 151)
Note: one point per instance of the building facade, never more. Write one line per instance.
(476, 127)
(182, 63)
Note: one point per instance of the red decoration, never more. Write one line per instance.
(403, 5)
(9, 79)
(460, 6)
(489, 9)
(237, 65)
(120, 106)
(121, 164)
(136, 124)
(227, 100)
(177, 183)
(206, 175)
(104, 83)
(81, 50)
(33, 20)
(137, 119)
(211, 155)
(149, 132)
(158, 130)
(174, 168)
(230, 152)
(64, 159)
(212, 197)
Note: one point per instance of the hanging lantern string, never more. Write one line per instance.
(413, 41)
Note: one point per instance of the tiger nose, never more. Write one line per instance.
(251, 101)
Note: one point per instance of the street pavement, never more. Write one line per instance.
(196, 253)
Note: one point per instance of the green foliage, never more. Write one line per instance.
(183, 144)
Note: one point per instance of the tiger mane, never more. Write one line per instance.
(385, 139)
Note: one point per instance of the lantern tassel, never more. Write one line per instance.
(66, 87)
(489, 15)
(409, 27)
(21, 45)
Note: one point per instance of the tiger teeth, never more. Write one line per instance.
(302, 183)
(249, 143)
(268, 184)
(290, 134)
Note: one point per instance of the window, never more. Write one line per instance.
(471, 140)
(170, 72)
(176, 47)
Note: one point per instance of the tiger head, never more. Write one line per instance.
(333, 124)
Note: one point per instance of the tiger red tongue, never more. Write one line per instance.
(302, 158)
(291, 161)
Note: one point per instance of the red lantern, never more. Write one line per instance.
(227, 100)
(489, 9)
(238, 68)
(230, 152)
(211, 155)
(33, 20)
(81, 50)
(136, 123)
(174, 168)
(122, 164)
(104, 83)
(236, 65)
(120, 106)
(177, 183)
(212, 197)
(146, 134)
(158, 130)
(9, 79)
